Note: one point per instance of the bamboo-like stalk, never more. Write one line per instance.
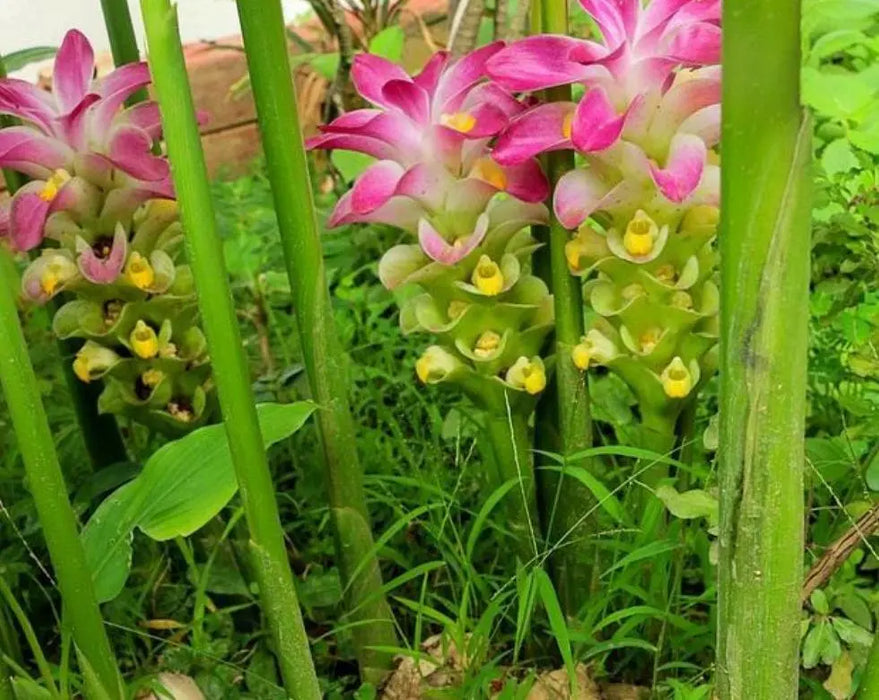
(49, 492)
(205, 252)
(764, 245)
(564, 499)
(262, 27)
(123, 42)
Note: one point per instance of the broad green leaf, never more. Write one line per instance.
(818, 599)
(688, 505)
(838, 157)
(872, 474)
(388, 43)
(19, 59)
(26, 689)
(840, 95)
(821, 645)
(834, 42)
(852, 634)
(182, 486)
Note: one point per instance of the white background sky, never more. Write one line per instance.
(26, 23)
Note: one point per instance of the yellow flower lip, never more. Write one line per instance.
(459, 121)
(486, 344)
(649, 340)
(81, 368)
(677, 382)
(526, 374)
(456, 308)
(434, 365)
(144, 342)
(140, 272)
(640, 235)
(487, 277)
(567, 125)
(682, 300)
(594, 348)
(487, 170)
(573, 251)
(53, 185)
(152, 377)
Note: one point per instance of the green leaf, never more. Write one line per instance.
(871, 476)
(688, 505)
(388, 43)
(648, 551)
(819, 602)
(19, 59)
(350, 164)
(852, 634)
(838, 157)
(182, 486)
(603, 495)
(840, 95)
(821, 645)
(557, 622)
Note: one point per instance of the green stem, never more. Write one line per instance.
(764, 246)
(512, 454)
(50, 498)
(869, 685)
(205, 252)
(566, 498)
(265, 43)
(123, 42)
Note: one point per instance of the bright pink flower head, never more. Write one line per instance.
(79, 130)
(435, 175)
(650, 113)
(640, 47)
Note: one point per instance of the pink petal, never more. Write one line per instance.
(426, 183)
(4, 218)
(130, 149)
(683, 169)
(695, 44)
(577, 195)
(27, 217)
(705, 124)
(615, 18)
(496, 96)
(145, 116)
(596, 124)
(124, 81)
(683, 99)
(543, 61)
(429, 76)
(527, 182)
(375, 186)
(73, 124)
(538, 130)
(467, 198)
(351, 142)
(103, 270)
(77, 196)
(27, 150)
(401, 212)
(21, 99)
(394, 130)
(658, 12)
(407, 97)
(74, 67)
(489, 122)
(370, 73)
(462, 75)
(436, 247)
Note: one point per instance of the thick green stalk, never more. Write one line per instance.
(50, 497)
(563, 498)
(205, 251)
(123, 42)
(764, 245)
(510, 443)
(265, 42)
(869, 686)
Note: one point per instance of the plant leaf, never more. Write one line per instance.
(19, 59)
(182, 486)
